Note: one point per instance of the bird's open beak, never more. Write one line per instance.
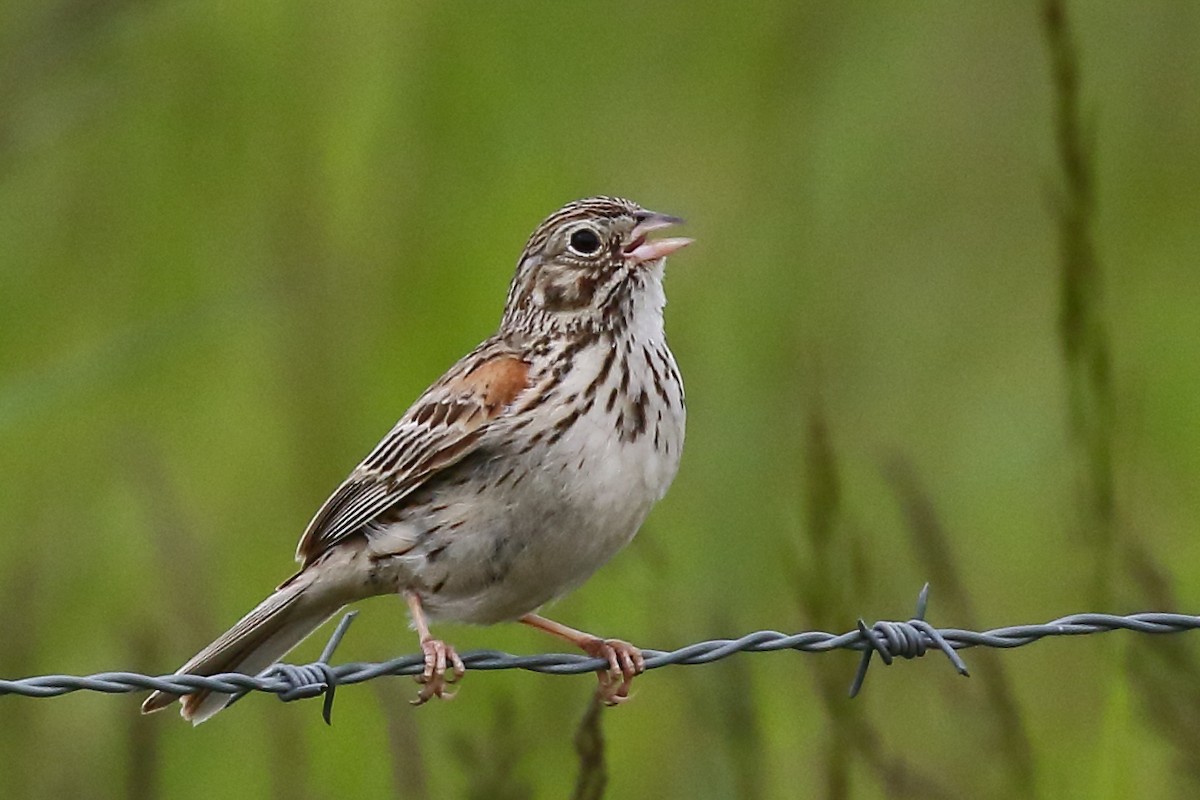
(639, 250)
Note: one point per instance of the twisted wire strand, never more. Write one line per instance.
(888, 639)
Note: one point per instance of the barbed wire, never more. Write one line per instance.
(891, 640)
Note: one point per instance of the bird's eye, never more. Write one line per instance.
(585, 242)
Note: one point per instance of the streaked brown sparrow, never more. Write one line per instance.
(521, 471)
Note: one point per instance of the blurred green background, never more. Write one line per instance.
(237, 239)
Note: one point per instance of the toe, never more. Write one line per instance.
(460, 669)
(439, 668)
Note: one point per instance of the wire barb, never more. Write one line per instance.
(889, 639)
(317, 678)
(903, 639)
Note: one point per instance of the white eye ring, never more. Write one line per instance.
(585, 241)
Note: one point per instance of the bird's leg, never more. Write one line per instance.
(438, 656)
(624, 660)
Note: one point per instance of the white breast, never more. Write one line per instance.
(571, 487)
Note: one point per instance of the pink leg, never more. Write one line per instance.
(438, 656)
(624, 660)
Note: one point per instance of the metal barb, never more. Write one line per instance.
(336, 638)
(326, 656)
(903, 639)
(317, 678)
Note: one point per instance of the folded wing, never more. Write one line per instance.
(442, 427)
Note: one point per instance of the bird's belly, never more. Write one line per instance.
(547, 520)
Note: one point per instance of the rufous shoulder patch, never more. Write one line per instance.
(497, 381)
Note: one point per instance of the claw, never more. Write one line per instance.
(433, 680)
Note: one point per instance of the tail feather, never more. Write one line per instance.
(259, 639)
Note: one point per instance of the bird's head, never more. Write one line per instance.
(591, 265)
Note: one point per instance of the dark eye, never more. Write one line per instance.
(585, 242)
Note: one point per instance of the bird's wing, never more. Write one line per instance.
(443, 426)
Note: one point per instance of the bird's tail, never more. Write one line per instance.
(258, 640)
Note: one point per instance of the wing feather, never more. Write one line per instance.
(440, 429)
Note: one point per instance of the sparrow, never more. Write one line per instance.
(513, 478)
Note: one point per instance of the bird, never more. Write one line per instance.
(528, 465)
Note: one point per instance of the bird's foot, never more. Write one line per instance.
(624, 663)
(442, 667)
